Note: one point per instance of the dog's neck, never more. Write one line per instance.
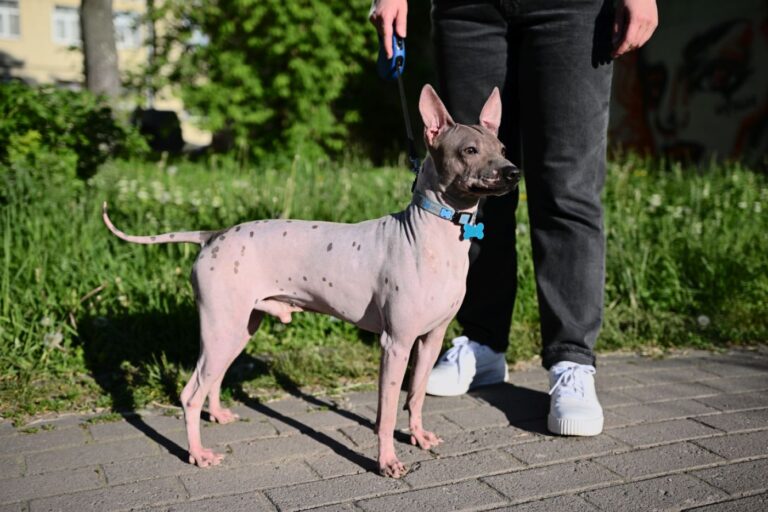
(428, 185)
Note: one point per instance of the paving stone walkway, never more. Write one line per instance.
(684, 432)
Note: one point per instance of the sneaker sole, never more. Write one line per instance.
(564, 427)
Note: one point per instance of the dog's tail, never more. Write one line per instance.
(196, 237)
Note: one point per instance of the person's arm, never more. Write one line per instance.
(633, 25)
(386, 14)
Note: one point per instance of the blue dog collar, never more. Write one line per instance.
(464, 219)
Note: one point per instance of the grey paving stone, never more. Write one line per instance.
(149, 467)
(44, 440)
(407, 454)
(738, 401)
(122, 497)
(556, 479)
(11, 466)
(222, 481)
(439, 404)
(237, 431)
(659, 460)
(557, 449)
(738, 421)
(279, 448)
(676, 375)
(50, 484)
(736, 365)
(757, 503)
(739, 384)
(556, 504)
(435, 422)
(664, 493)
(613, 420)
(664, 392)
(6, 428)
(292, 405)
(462, 496)
(478, 418)
(358, 399)
(93, 453)
(517, 403)
(14, 507)
(361, 436)
(661, 411)
(248, 502)
(332, 465)
(467, 442)
(452, 469)
(614, 397)
(339, 507)
(336, 490)
(737, 478)
(648, 434)
(622, 381)
(134, 428)
(316, 420)
(738, 446)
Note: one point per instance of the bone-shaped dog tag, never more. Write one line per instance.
(473, 231)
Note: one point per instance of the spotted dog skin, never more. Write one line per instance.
(402, 275)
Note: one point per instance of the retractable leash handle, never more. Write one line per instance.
(392, 69)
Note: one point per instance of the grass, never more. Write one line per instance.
(87, 321)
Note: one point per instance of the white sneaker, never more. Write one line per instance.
(465, 366)
(574, 409)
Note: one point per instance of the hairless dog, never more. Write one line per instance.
(402, 275)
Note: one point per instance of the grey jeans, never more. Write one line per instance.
(551, 62)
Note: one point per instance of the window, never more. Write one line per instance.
(66, 26)
(127, 30)
(9, 19)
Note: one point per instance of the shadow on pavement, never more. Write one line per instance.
(525, 408)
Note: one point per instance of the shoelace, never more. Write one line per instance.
(571, 380)
(459, 353)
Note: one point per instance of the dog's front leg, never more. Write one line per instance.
(427, 350)
(394, 360)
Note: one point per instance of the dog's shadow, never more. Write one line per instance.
(118, 351)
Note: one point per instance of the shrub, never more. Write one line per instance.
(77, 128)
(267, 71)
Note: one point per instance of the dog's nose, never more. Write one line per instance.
(510, 173)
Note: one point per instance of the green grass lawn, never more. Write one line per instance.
(89, 321)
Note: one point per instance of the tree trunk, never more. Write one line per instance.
(99, 48)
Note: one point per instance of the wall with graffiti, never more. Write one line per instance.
(699, 89)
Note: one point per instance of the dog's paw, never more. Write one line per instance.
(392, 468)
(204, 458)
(424, 439)
(223, 416)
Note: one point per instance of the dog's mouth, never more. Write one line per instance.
(493, 185)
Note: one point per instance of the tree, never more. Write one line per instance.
(99, 48)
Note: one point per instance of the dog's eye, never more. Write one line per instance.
(471, 150)
(504, 152)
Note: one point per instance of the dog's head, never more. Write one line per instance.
(469, 160)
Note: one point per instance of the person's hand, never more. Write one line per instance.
(633, 25)
(386, 14)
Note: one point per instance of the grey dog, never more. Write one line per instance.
(402, 275)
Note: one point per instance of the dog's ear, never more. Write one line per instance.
(434, 114)
(490, 116)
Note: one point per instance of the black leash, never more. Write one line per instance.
(391, 69)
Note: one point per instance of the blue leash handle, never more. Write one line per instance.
(391, 69)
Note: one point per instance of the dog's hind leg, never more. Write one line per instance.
(220, 343)
(218, 413)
